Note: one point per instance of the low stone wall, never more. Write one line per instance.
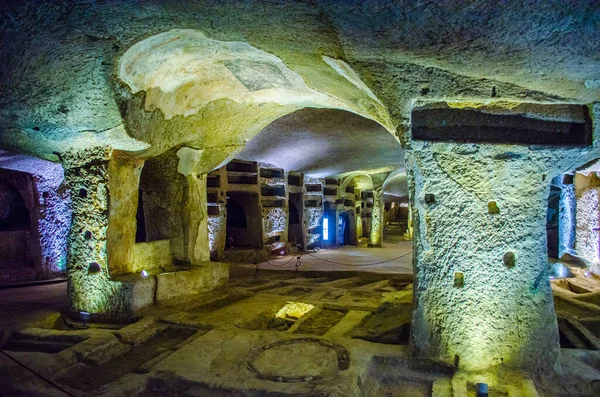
(151, 256)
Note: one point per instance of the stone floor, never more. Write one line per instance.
(316, 333)
(24, 305)
(395, 257)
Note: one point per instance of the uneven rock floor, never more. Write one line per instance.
(280, 334)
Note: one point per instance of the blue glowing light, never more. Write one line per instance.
(325, 228)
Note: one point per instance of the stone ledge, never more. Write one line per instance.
(164, 288)
(182, 284)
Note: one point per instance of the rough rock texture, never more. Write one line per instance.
(217, 231)
(588, 221)
(89, 285)
(471, 309)
(41, 185)
(274, 220)
(314, 217)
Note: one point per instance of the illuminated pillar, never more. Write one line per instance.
(482, 292)
(195, 206)
(587, 240)
(566, 217)
(124, 179)
(377, 219)
(89, 286)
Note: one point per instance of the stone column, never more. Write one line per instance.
(376, 235)
(195, 207)
(482, 294)
(89, 286)
(124, 181)
(566, 217)
(587, 241)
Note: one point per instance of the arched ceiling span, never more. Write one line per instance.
(324, 142)
(216, 96)
(396, 184)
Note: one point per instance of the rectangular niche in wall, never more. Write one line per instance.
(236, 179)
(213, 210)
(503, 122)
(274, 191)
(212, 198)
(312, 203)
(348, 203)
(279, 203)
(273, 173)
(242, 166)
(213, 181)
(330, 191)
(331, 181)
(294, 179)
(314, 187)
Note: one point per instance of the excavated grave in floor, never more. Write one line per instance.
(217, 304)
(50, 343)
(384, 379)
(167, 339)
(321, 322)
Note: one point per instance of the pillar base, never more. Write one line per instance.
(374, 245)
(134, 293)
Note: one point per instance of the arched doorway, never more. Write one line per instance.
(243, 221)
(344, 229)
(15, 225)
(295, 218)
(14, 214)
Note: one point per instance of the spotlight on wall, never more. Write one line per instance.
(85, 318)
(481, 389)
(144, 274)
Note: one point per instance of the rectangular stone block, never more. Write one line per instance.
(178, 285)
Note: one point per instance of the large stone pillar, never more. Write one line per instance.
(195, 206)
(376, 236)
(482, 292)
(124, 180)
(89, 286)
